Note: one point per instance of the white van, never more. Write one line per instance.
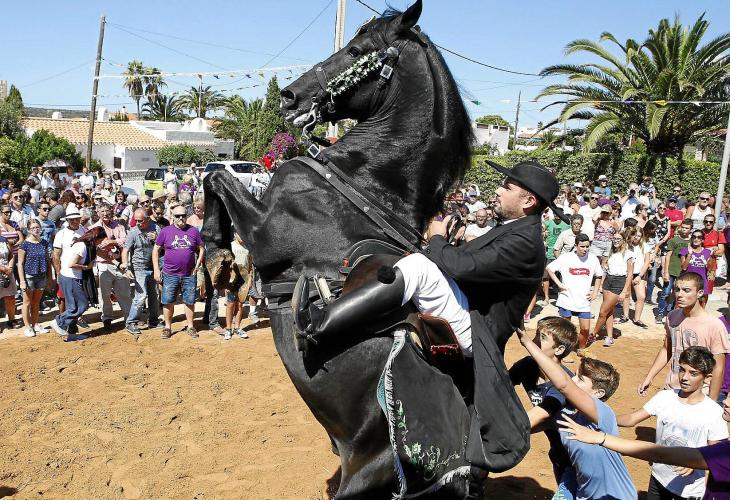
(241, 170)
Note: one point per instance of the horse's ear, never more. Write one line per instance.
(409, 18)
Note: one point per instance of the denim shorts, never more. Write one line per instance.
(36, 282)
(565, 313)
(172, 284)
(600, 248)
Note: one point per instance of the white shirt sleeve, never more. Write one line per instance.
(718, 429)
(658, 402)
(597, 268)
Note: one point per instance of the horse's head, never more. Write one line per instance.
(345, 85)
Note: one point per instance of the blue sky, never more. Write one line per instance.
(41, 39)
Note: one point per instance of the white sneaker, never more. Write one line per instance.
(57, 327)
(227, 334)
(29, 332)
(40, 329)
(242, 333)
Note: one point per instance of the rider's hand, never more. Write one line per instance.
(522, 335)
(439, 227)
(644, 387)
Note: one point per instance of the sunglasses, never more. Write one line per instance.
(44, 208)
(5, 213)
(704, 199)
(677, 190)
(179, 216)
(697, 238)
(16, 197)
(140, 221)
(595, 198)
(709, 222)
(144, 202)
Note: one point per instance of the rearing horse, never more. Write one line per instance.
(411, 144)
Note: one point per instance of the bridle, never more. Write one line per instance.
(385, 58)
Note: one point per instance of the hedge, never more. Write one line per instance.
(694, 176)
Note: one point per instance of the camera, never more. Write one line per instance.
(4, 281)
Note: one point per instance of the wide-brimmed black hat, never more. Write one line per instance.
(536, 179)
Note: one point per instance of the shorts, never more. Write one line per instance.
(545, 274)
(600, 248)
(36, 282)
(231, 298)
(614, 284)
(172, 284)
(565, 313)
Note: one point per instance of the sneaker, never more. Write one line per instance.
(608, 342)
(29, 332)
(58, 329)
(227, 334)
(192, 332)
(541, 303)
(620, 320)
(526, 317)
(659, 320)
(40, 329)
(107, 324)
(166, 333)
(641, 324)
(242, 333)
(219, 330)
(81, 323)
(133, 329)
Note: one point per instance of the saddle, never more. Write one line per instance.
(431, 334)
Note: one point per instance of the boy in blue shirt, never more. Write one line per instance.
(556, 337)
(599, 472)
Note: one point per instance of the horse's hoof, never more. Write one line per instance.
(219, 262)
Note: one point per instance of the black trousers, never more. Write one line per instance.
(658, 492)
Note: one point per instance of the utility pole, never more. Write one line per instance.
(200, 94)
(517, 120)
(95, 88)
(339, 43)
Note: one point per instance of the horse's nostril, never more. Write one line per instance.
(288, 99)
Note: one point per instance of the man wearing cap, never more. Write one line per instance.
(62, 242)
(602, 187)
(483, 288)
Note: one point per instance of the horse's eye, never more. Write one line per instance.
(354, 51)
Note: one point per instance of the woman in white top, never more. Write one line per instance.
(170, 180)
(638, 244)
(698, 211)
(619, 265)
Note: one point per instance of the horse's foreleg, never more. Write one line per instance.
(229, 207)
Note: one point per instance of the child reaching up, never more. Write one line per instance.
(599, 473)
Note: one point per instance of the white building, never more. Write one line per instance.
(495, 135)
(130, 147)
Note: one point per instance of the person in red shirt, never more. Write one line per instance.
(715, 241)
(675, 215)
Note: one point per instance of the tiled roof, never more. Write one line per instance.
(77, 132)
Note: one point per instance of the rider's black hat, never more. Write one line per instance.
(536, 179)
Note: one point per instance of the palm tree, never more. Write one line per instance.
(134, 81)
(241, 123)
(201, 100)
(153, 83)
(164, 108)
(671, 65)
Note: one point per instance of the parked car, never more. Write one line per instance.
(241, 170)
(154, 178)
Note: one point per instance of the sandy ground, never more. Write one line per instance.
(117, 417)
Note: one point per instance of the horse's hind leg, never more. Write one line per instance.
(228, 207)
(374, 481)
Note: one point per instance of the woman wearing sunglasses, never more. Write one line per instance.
(695, 257)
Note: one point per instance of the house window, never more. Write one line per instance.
(117, 163)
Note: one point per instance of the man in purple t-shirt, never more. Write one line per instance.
(182, 243)
(725, 389)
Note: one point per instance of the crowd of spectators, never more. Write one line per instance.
(74, 241)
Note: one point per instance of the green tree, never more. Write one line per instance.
(164, 108)
(670, 65)
(10, 116)
(38, 149)
(200, 101)
(184, 155)
(153, 83)
(242, 122)
(135, 81)
(272, 121)
(493, 120)
(15, 99)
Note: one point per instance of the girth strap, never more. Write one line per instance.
(366, 203)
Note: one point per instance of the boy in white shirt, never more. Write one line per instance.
(577, 270)
(685, 417)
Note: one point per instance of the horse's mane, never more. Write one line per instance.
(455, 160)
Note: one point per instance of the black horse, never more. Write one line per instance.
(411, 144)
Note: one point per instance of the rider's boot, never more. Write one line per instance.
(371, 301)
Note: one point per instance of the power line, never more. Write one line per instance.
(275, 56)
(56, 75)
(210, 44)
(154, 42)
(496, 68)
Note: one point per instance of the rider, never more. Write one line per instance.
(491, 278)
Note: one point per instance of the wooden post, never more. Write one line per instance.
(95, 88)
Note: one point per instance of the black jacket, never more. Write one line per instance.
(499, 272)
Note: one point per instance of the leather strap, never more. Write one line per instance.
(372, 208)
